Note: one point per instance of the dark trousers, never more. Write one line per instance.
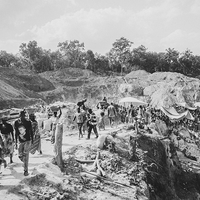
(90, 128)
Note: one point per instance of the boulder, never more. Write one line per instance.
(164, 88)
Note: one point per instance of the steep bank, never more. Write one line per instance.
(20, 88)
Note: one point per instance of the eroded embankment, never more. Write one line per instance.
(136, 167)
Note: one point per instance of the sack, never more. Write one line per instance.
(35, 145)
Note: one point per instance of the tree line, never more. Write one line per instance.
(122, 58)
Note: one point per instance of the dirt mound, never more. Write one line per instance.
(170, 88)
(137, 74)
(16, 84)
(46, 182)
(164, 88)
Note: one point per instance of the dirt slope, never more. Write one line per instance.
(73, 84)
(18, 84)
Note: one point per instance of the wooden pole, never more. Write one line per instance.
(58, 145)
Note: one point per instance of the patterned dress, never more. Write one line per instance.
(6, 131)
(36, 146)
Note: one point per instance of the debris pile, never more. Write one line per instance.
(46, 182)
(140, 167)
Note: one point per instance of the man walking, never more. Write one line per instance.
(79, 120)
(92, 123)
(111, 114)
(23, 133)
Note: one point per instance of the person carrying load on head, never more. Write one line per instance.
(7, 134)
(105, 99)
(82, 104)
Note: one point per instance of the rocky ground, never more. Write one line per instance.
(153, 169)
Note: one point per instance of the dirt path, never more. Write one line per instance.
(13, 174)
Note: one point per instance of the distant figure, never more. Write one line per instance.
(102, 120)
(92, 123)
(23, 133)
(104, 99)
(140, 112)
(136, 125)
(111, 114)
(79, 120)
(82, 103)
(131, 114)
(54, 121)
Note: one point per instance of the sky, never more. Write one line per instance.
(156, 24)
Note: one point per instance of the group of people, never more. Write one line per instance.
(22, 135)
(86, 120)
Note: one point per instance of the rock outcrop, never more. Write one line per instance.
(166, 88)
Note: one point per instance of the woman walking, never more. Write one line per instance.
(36, 146)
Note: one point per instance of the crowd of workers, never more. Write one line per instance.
(25, 133)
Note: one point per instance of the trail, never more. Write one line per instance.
(13, 174)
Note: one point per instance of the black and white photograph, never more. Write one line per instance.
(99, 100)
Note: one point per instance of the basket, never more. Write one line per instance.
(54, 108)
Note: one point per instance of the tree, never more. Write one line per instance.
(139, 56)
(30, 53)
(120, 53)
(102, 64)
(89, 60)
(162, 64)
(186, 62)
(7, 59)
(73, 52)
(57, 60)
(35, 57)
(171, 57)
